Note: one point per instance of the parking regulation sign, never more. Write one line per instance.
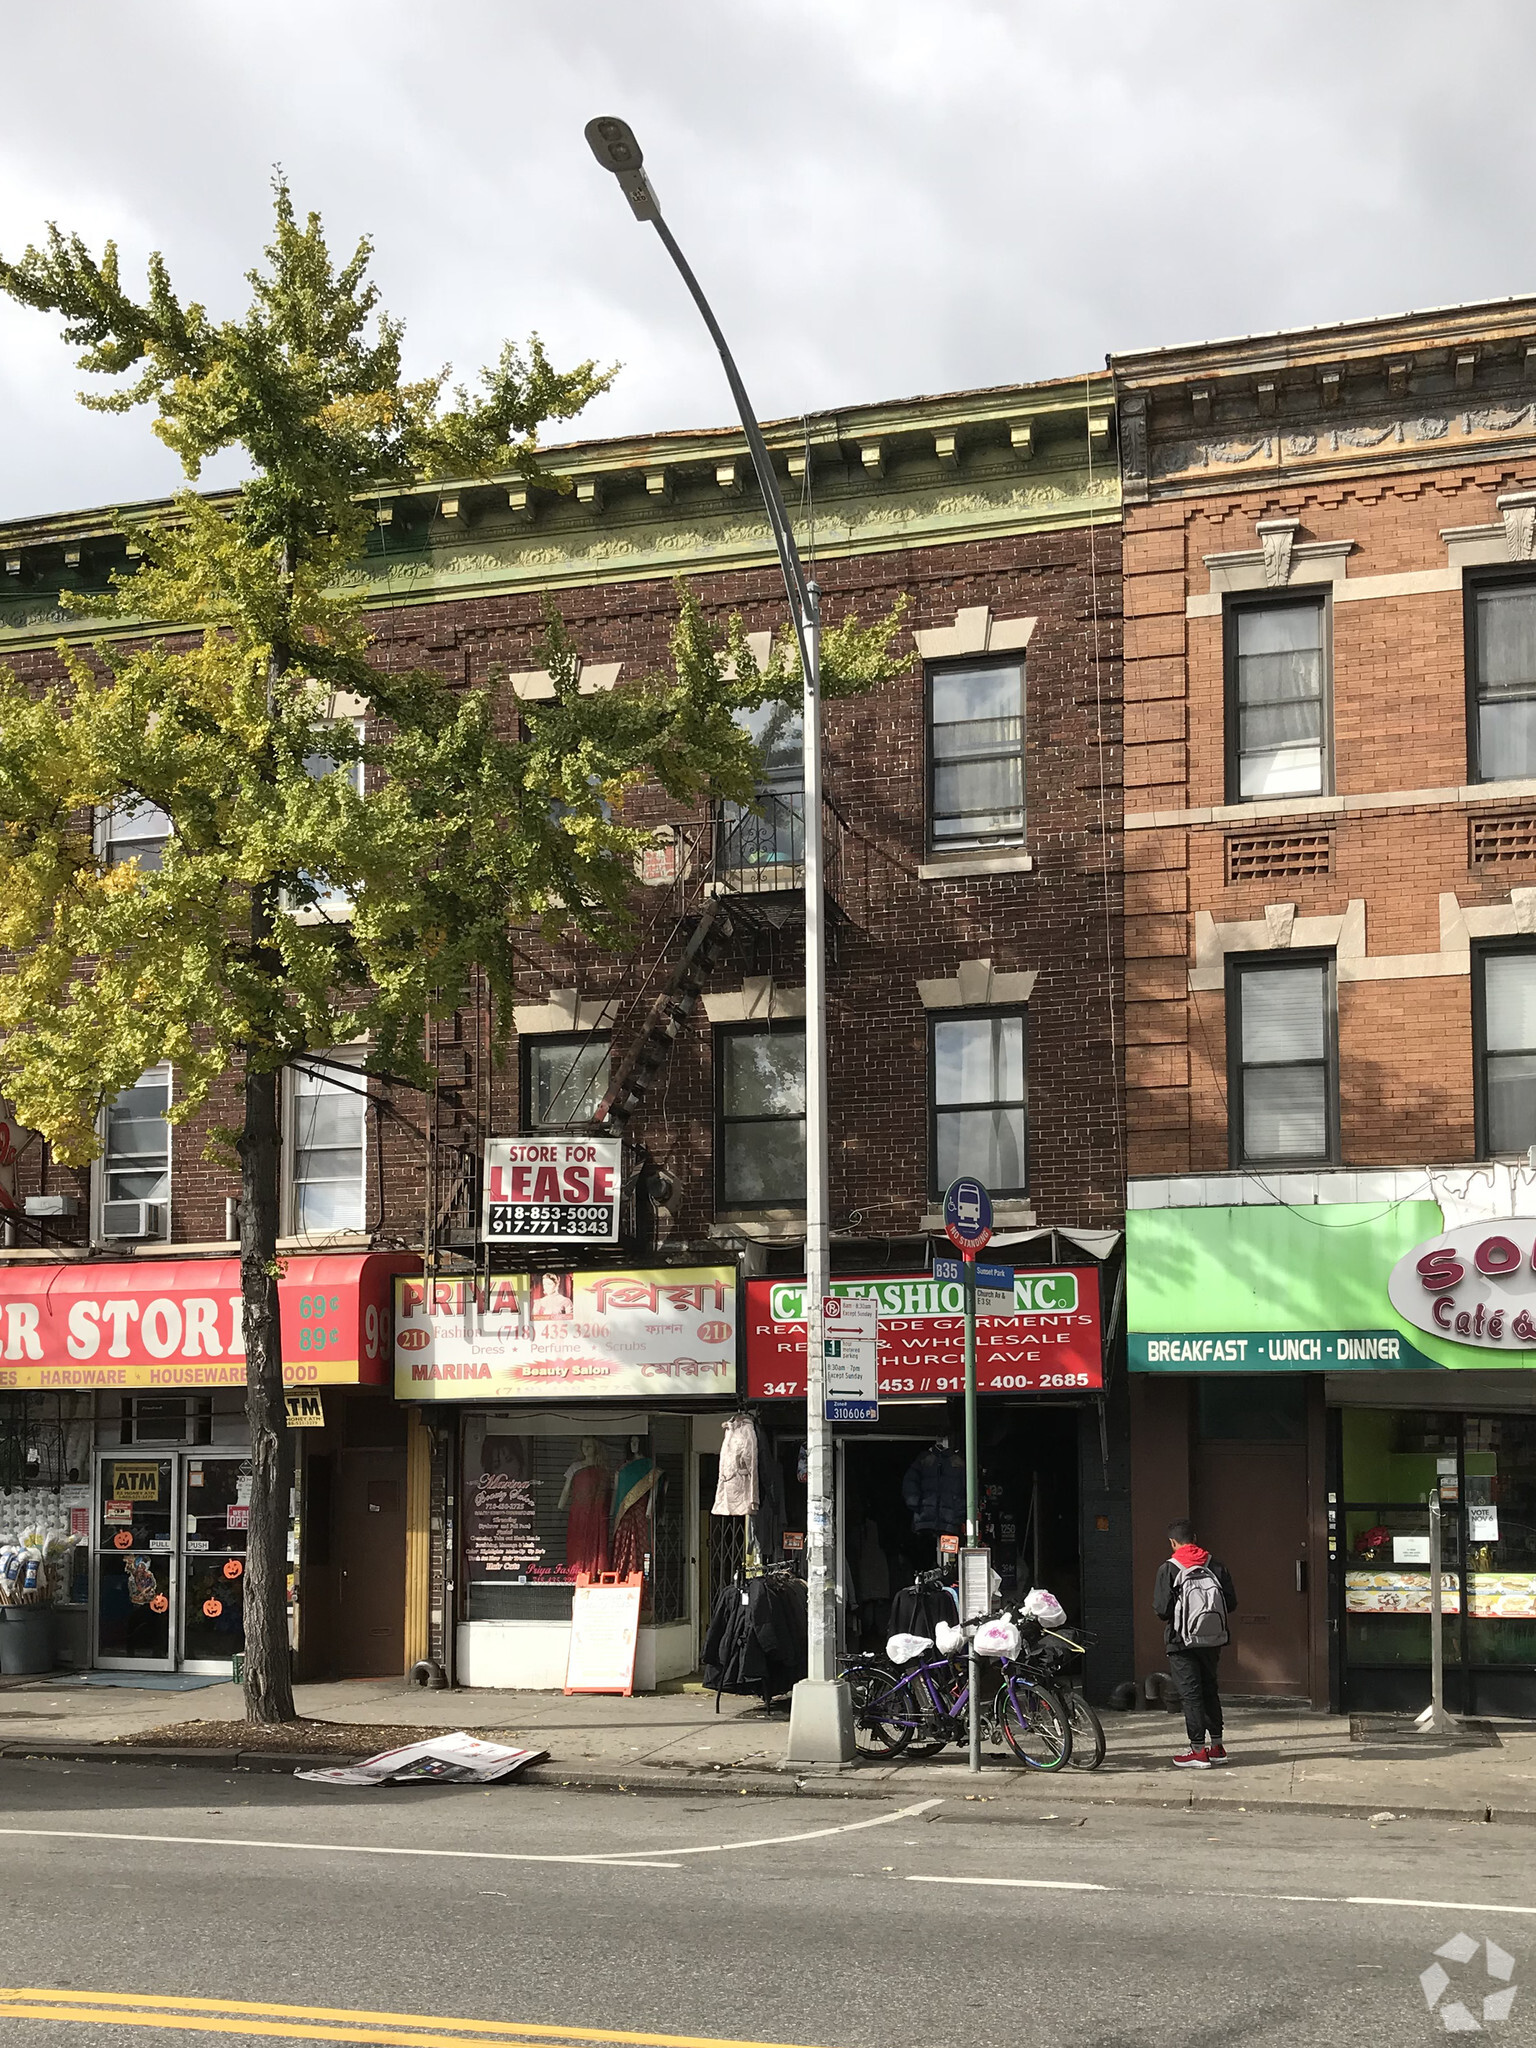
(850, 1350)
(968, 1215)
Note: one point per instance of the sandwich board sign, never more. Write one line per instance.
(605, 1633)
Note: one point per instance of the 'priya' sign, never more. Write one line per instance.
(1474, 1285)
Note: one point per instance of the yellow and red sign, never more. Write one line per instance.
(178, 1323)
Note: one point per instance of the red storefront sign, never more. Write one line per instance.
(177, 1322)
(1051, 1344)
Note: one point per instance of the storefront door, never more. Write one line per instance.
(135, 1578)
(169, 1560)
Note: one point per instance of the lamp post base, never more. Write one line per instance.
(821, 1722)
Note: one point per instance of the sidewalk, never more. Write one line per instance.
(1283, 1760)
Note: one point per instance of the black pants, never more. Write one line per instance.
(1194, 1673)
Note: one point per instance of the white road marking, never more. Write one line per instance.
(851, 1827)
(334, 1848)
(1029, 1884)
(1439, 1905)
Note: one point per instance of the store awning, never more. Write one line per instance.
(166, 1323)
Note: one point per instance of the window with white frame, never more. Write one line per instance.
(327, 1148)
(1277, 699)
(1504, 1035)
(976, 757)
(979, 1101)
(133, 830)
(134, 1174)
(331, 904)
(1282, 1039)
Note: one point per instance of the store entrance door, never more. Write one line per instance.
(135, 1582)
(168, 1578)
(370, 1526)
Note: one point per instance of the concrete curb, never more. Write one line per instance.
(1070, 1789)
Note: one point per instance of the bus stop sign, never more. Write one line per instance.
(968, 1215)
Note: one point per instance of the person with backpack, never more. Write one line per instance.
(1194, 1599)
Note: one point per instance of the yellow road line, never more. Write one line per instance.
(131, 2008)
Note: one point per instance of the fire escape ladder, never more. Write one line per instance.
(665, 1020)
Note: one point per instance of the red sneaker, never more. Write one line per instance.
(1192, 1760)
(1215, 1754)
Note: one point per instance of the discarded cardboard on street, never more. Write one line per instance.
(456, 1759)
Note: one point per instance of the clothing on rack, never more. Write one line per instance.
(934, 1491)
(771, 1513)
(918, 1610)
(736, 1489)
(757, 1637)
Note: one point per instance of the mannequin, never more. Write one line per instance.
(586, 1493)
(635, 1492)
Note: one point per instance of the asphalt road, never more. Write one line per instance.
(435, 1916)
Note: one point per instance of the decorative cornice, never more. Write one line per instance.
(921, 473)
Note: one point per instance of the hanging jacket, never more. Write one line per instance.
(918, 1610)
(934, 1490)
(736, 1489)
(757, 1637)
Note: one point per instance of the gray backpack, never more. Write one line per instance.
(1200, 1609)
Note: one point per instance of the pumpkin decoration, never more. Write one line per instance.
(159, 1604)
(213, 1608)
(123, 1539)
(233, 1568)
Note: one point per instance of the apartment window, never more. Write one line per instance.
(760, 1117)
(976, 757)
(134, 829)
(328, 1110)
(1277, 691)
(1501, 666)
(331, 903)
(135, 1169)
(564, 1081)
(1504, 1035)
(769, 832)
(979, 1123)
(1283, 1061)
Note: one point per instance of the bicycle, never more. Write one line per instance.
(926, 1706)
(1052, 1657)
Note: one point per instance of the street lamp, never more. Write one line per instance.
(821, 1714)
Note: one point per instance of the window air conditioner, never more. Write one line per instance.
(132, 1219)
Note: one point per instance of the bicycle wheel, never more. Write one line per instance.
(1036, 1723)
(877, 1699)
(1087, 1733)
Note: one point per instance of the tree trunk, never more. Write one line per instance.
(268, 1673)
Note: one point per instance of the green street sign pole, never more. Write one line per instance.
(972, 1491)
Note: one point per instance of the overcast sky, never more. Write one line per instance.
(882, 197)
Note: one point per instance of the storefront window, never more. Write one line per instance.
(539, 1509)
(1500, 1511)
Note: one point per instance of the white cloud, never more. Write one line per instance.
(881, 196)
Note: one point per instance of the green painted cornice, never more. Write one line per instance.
(868, 479)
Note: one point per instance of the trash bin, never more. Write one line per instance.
(26, 1641)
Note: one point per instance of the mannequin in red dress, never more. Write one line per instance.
(587, 1490)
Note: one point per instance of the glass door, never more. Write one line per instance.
(134, 1562)
(216, 1512)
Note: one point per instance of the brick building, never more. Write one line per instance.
(1330, 679)
(973, 843)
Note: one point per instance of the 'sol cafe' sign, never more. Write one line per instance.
(1475, 1284)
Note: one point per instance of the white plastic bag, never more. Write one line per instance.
(902, 1649)
(998, 1638)
(1044, 1607)
(950, 1637)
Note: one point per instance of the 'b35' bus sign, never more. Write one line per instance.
(1475, 1284)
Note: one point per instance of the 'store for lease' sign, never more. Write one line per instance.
(552, 1190)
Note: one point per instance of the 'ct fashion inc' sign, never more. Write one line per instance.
(1474, 1285)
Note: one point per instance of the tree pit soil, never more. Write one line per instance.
(350, 1739)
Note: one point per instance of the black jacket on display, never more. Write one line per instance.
(934, 1490)
(757, 1637)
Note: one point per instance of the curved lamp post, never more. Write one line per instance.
(821, 1716)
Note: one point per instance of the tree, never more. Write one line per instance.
(232, 958)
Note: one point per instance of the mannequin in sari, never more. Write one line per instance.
(634, 1495)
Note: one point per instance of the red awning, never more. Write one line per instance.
(177, 1323)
